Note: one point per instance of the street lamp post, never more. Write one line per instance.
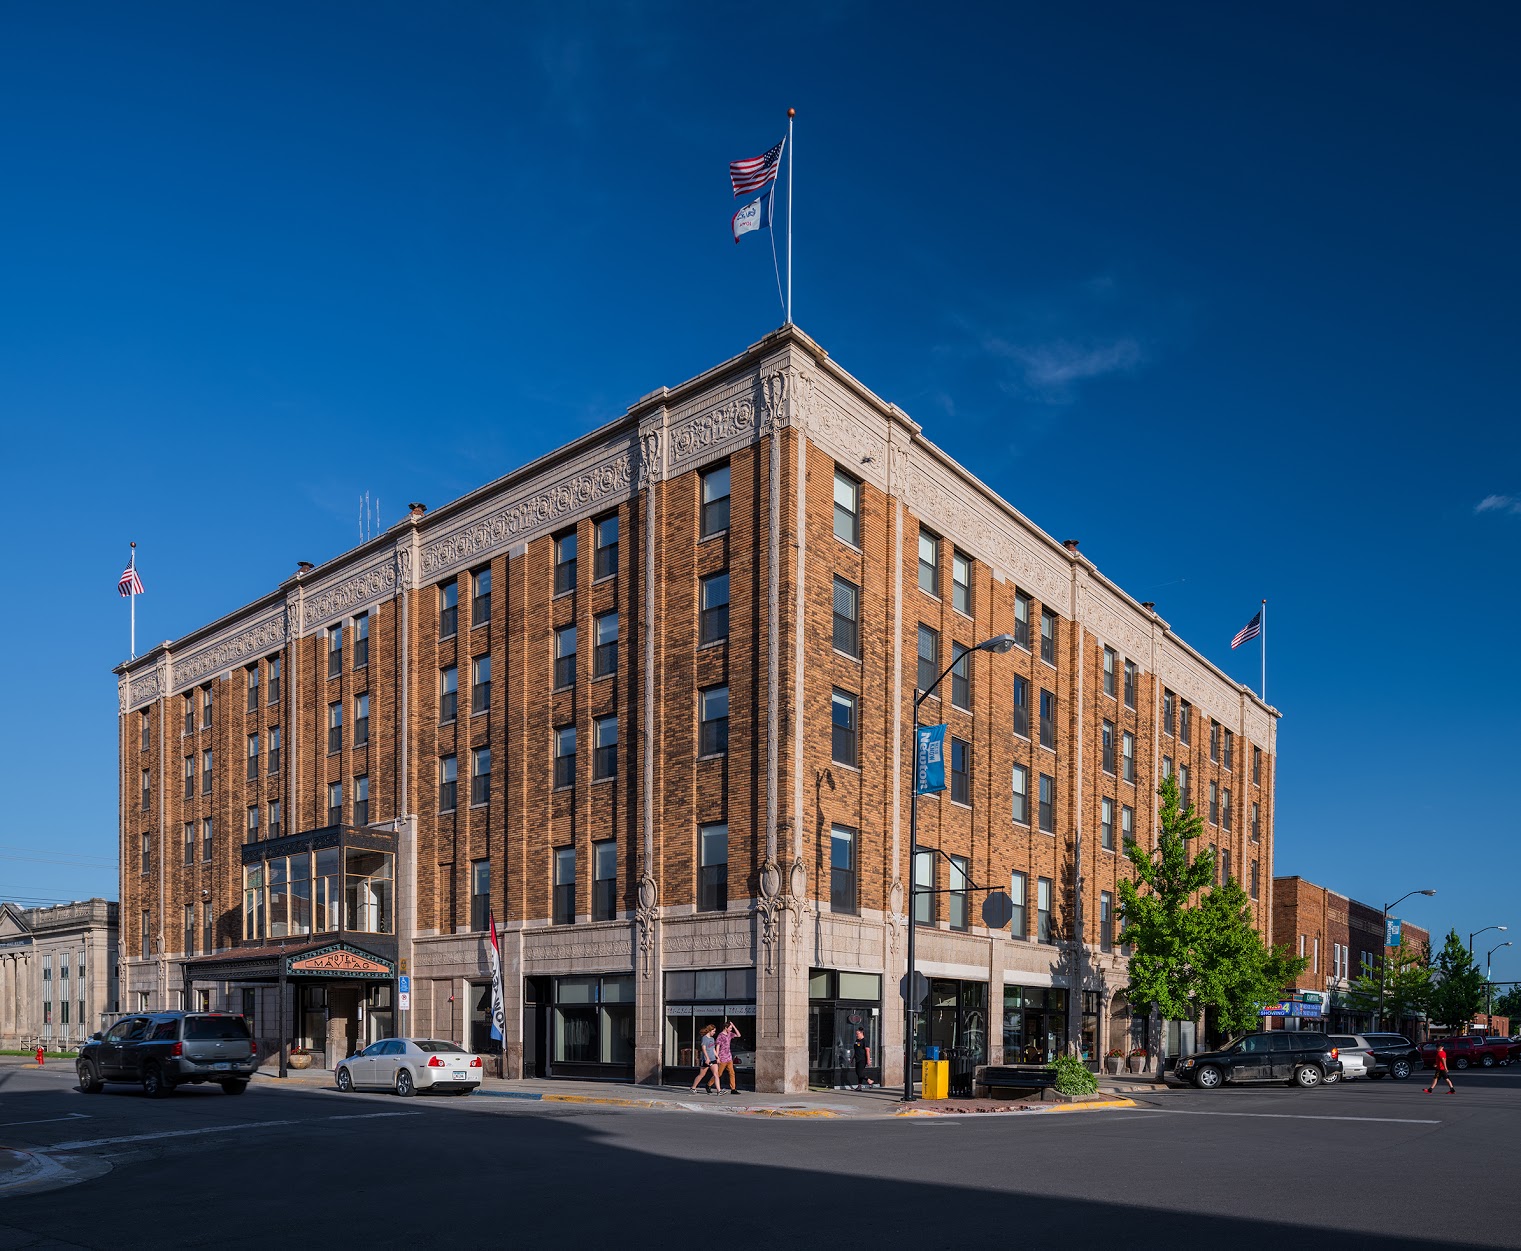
(1485, 930)
(1383, 960)
(1489, 986)
(999, 643)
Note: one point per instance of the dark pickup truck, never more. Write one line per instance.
(162, 1050)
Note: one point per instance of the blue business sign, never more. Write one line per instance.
(929, 767)
(1391, 932)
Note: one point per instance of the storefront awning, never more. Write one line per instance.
(324, 960)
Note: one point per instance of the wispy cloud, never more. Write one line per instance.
(1499, 504)
(1051, 370)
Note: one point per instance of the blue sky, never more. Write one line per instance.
(1227, 295)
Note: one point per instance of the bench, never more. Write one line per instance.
(989, 1078)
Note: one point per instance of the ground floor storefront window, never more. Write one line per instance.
(592, 1027)
(700, 997)
(839, 1003)
(954, 1019)
(480, 1040)
(1034, 1024)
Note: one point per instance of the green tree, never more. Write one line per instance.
(1457, 992)
(1236, 973)
(1509, 1004)
(1406, 983)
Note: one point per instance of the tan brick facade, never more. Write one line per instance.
(782, 419)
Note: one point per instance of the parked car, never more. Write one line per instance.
(1354, 1057)
(1393, 1055)
(1304, 1058)
(162, 1050)
(407, 1065)
(1468, 1050)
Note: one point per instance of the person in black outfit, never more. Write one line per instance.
(861, 1053)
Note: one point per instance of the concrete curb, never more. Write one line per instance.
(1049, 1109)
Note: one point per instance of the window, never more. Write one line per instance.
(605, 881)
(712, 868)
(565, 563)
(253, 699)
(146, 949)
(361, 640)
(252, 771)
(1169, 709)
(959, 898)
(1021, 788)
(1256, 821)
(1048, 803)
(1256, 766)
(1186, 722)
(715, 607)
(1043, 910)
(1106, 742)
(480, 685)
(1127, 756)
(1022, 619)
(334, 803)
(205, 708)
(189, 777)
(188, 834)
(1166, 766)
(1214, 803)
(274, 818)
(1214, 740)
(1225, 865)
(844, 709)
(448, 780)
(189, 933)
(274, 679)
(480, 775)
(1022, 707)
(274, 749)
(929, 563)
(565, 757)
(1185, 797)
(145, 797)
(605, 655)
(1106, 823)
(605, 538)
(335, 651)
(1048, 719)
(335, 726)
(605, 748)
(1018, 885)
(961, 771)
(1106, 921)
(1230, 749)
(1225, 800)
(715, 501)
(362, 799)
(206, 945)
(189, 714)
(565, 886)
(713, 712)
(207, 838)
(448, 694)
(961, 582)
(565, 657)
(448, 610)
(145, 723)
(206, 759)
(847, 618)
(929, 657)
(480, 596)
(480, 895)
(361, 720)
(842, 869)
(1048, 636)
(924, 888)
(961, 677)
(1127, 823)
(1130, 676)
(1109, 664)
(847, 509)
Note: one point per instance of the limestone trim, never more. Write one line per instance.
(232, 647)
(345, 593)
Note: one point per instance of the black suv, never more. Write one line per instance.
(1393, 1055)
(1301, 1057)
(161, 1050)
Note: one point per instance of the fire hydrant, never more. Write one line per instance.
(40, 1058)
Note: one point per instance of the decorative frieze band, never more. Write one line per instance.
(329, 601)
(143, 688)
(242, 643)
(1182, 673)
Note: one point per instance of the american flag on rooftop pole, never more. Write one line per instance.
(130, 585)
(755, 172)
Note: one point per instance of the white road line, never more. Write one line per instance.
(1299, 1116)
(72, 1116)
(85, 1144)
(368, 1116)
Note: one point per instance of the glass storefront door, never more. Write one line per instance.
(1034, 1024)
(839, 1003)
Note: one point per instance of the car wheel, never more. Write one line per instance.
(1330, 1079)
(345, 1080)
(1400, 1070)
(155, 1084)
(1488, 1062)
(89, 1080)
(234, 1088)
(404, 1086)
(1460, 1063)
(1307, 1077)
(1208, 1077)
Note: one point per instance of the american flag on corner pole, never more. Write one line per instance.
(130, 583)
(755, 172)
(1248, 632)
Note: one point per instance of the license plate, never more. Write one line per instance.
(461, 1077)
(222, 1064)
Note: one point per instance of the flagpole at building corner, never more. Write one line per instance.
(791, 113)
(132, 600)
(1264, 651)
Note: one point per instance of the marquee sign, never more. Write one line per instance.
(338, 960)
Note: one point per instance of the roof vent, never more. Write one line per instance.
(417, 510)
(304, 566)
(1148, 605)
(1070, 545)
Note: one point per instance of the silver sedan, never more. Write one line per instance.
(408, 1065)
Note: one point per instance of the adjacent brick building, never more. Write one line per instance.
(646, 701)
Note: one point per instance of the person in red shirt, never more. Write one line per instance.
(1441, 1074)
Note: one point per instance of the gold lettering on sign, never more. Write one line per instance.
(338, 962)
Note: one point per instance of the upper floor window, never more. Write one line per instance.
(1047, 803)
(335, 651)
(961, 582)
(605, 880)
(1106, 741)
(1022, 619)
(842, 869)
(480, 684)
(1043, 910)
(844, 711)
(251, 828)
(274, 749)
(1048, 719)
(565, 886)
(847, 618)
(361, 640)
(1130, 683)
(1106, 921)
(565, 563)
(1256, 766)
(925, 910)
(189, 705)
(362, 799)
(448, 693)
(480, 894)
(1048, 636)
(1230, 749)
(335, 803)
(1018, 886)
(274, 679)
(565, 657)
(1256, 821)
(189, 777)
(253, 698)
(206, 760)
(1127, 756)
(144, 795)
(715, 607)
(208, 837)
(1186, 722)
(959, 898)
(605, 748)
(1021, 788)
(206, 708)
(1169, 707)
(252, 771)
(929, 657)
(448, 780)
(847, 509)
(335, 726)
(1106, 823)
(1254, 879)
(480, 775)
(712, 867)
(605, 533)
(1110, 659)
(605, 658)
(1127, 823)
(1214, 740)
(361, 719)
(1225, 800)
(274, 818)
(715, 501)
(1185, 795)
(565, 757)
(929, 562)
(1022, 707)
(713, 711)
(961, 677)
(147, 859)
(961, 771)
(448, 610)
(188, 835)
(480, 597)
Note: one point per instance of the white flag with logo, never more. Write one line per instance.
(498, 1008)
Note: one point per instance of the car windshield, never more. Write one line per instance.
(214, 1028)
(434, 1044)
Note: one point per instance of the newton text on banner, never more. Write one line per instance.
(929, 769)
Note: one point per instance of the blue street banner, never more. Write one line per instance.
(929, 767)
(1392, 932)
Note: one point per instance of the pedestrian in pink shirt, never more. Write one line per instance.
(726, 1039)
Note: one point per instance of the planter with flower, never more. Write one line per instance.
(1137, 1060)
(298, 1057)
(1113, 1058)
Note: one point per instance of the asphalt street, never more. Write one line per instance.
(1370, 1164)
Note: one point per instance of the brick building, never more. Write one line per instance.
(1338, 936)
(57, 972)
(646, 701)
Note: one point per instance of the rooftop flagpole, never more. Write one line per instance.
(132, 600)
(791, 113)
(1264, 651)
